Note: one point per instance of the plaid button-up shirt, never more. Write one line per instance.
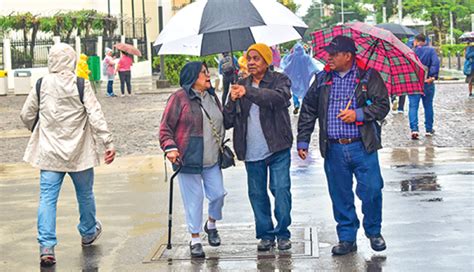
(341, 91)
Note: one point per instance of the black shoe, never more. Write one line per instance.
(196, 251)
(284, 244)
(344, 248)
(212, 236)
(265, 245)
(377, 242)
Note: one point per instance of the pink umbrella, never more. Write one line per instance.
(130, 49)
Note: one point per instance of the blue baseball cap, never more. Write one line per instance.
(341, 43)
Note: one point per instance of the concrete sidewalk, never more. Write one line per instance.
(428, 216)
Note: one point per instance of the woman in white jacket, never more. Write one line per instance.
(64, 141)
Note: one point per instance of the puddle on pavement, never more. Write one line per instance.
(427, 182)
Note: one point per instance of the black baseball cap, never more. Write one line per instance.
(341, 43)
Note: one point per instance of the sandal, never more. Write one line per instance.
(47, 257)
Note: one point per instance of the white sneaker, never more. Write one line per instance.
(429, 133)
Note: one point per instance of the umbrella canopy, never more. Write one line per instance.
(467, 37)
(215, 26)
(130, 49)
(398, 65)
(400, 31)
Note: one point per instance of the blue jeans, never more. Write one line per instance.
(296, 101)
(342, 162)
(50, 185)
(193, 188)
(414, 102)
(278, 164)
(110, 86)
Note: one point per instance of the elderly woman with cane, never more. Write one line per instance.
(190, 134)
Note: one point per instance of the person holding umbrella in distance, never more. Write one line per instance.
(191, 125)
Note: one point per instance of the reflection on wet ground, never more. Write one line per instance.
(427, 209)
(375, 263)
(420, 183)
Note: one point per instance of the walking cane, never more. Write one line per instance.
(170, 213)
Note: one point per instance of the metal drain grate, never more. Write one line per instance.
(240, 243)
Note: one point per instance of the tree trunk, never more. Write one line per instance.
(34, 31)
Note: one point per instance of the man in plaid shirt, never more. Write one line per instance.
(348, 99)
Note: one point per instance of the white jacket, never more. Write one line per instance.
(68, 132)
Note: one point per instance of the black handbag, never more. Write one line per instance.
(226, 155)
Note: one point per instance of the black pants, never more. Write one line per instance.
(125, 77)
(228, 79)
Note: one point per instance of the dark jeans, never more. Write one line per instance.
(278, 164)
(401, 102)
(342, 162)
(228, 79)
(110, 87)
(125, 78)
(414, 103)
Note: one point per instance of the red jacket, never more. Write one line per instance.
(181, 128)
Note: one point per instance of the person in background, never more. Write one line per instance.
(469, 67)
(191, 123)
(65, 131)
(229, 69)
(82, 69)
(300, 68)
(243, 71)
(276, 57)
(430, 60)
(124, 67)
(108, 70)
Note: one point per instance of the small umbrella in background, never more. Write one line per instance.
(128, 48)
(467, 37)
(400, 31)
(379, 49)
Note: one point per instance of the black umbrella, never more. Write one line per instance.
(400, 31)
(216, 26)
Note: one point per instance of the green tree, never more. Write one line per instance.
(353, 11)
(290, 4)
(437, 11)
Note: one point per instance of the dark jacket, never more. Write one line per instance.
(181, 124)
(273, 98)
(316, 104)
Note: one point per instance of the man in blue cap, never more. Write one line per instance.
(348, 99)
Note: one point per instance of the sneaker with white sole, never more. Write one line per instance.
(90, 239)
(415, 135)
(430, 133)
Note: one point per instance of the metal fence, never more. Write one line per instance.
(23, 56)
(2, 65)
(141, 45)
(109, 42)
(89, 46)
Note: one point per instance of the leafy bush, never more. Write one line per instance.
(174, 64)
(445, 48)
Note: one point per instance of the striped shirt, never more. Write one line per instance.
(341, 91)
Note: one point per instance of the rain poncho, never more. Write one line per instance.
(300, 68)
(82, 67)
(69, 132)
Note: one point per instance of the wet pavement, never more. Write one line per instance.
(427, 218)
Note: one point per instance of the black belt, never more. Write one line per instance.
(345, 140)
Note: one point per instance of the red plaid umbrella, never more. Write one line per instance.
(398, 65)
